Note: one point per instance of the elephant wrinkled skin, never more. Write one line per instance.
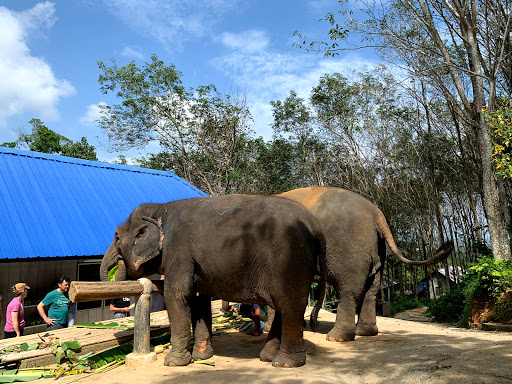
(257, 249)
(356, 235)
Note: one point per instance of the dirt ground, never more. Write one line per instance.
(405, 351)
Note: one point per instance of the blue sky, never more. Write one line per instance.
(50, 49)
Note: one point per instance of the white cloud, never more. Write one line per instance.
(93, 113)
(269, 76)
(27, 82)
(250, 41)
(172, 22)
(132, 53)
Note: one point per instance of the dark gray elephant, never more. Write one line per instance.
(356, 235)
(256, 249)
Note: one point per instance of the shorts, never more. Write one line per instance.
(56, 326)
(9, 335)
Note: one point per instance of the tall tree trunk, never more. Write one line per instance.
(497, 230)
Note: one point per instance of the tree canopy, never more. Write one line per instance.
(42, 139)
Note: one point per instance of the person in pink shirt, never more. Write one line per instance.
(14, 317)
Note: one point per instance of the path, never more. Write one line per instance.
(404, 352)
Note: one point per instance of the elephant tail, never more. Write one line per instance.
(382, 227)
(313, 320)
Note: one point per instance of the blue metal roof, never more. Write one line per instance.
(52, 206)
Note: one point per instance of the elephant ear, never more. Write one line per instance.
(149, 239)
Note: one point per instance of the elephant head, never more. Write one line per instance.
(136, 248)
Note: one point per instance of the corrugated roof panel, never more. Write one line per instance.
(59, 206)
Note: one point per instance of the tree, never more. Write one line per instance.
(293, 120)
(275, 166)
(203, 133)
(42, 139)
(80, 150)
(459, 47)
(8, 144)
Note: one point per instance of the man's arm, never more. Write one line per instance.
(113, 308)
(46, 319)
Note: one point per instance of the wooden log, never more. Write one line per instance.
(80, 291)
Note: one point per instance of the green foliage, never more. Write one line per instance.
(204, 135)
(449, 308)
(112, 273)
(502, 311)
(94, 325)
(12, 375)
(331, 302)
(42, 139)
(488, 277)
(481, 248)
(66, 351)
(400, 303)
(20, 348)
(500, 124)
(80, 150)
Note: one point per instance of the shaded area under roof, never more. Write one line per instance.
(53, 206)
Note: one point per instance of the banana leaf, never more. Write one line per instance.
(99, 325)
(112, 274)
(74, 345)
(114, 354)
(13, 375)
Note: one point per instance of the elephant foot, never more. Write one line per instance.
(177, 360)
(202, 350)
(340, 336)
(289, 360)
(270, 351)
(363, 329)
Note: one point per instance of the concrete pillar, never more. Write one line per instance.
(141, 347)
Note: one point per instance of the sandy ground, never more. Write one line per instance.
(405, 351)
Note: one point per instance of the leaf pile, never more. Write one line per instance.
(229, 321)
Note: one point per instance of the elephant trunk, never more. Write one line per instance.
(112, 258)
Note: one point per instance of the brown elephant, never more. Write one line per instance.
(256, 249)
(356, 233)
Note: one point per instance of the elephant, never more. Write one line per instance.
(245, 248)
(356, 233)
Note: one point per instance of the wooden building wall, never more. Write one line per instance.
(41, 276)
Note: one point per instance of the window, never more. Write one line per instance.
(89, 272)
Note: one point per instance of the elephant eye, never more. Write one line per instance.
(141, 231)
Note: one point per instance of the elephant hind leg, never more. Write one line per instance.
(270, 318)
(202, 350)
(292, 352)
(344, 328)
(367, 319)
(201, 313)
(273, 343)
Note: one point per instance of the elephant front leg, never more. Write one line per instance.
(179, 319)
(202, 327)
(367, 319)
(344, 328)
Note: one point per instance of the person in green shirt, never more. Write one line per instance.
(58, 305)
